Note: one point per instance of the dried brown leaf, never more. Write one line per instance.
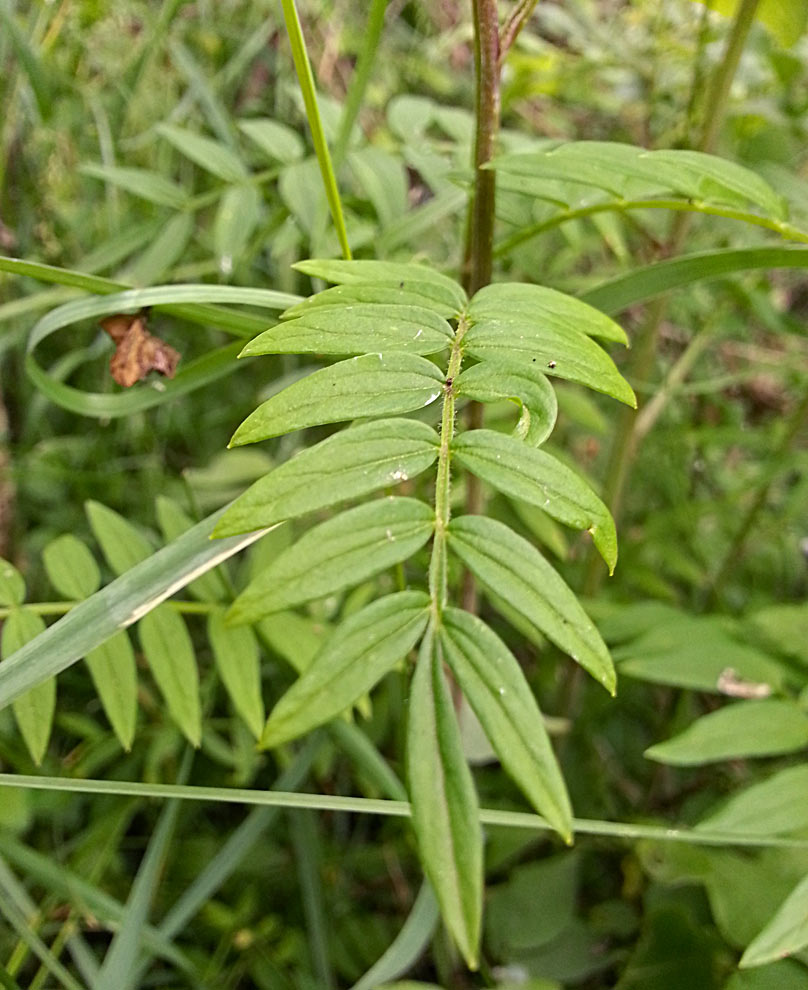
(137, 352)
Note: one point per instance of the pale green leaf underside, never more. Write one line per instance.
(496, 379)
(370, 385)
(538, 304)
(71, 568)
(356, 330)
(629, 172)
(785, 934)
(33, 711)
(521, 471)
(170, 654)
(385, 272)
(360, 652)
(554, 351)
(745, 729)
(517, 573)
(235, 651)
(347, 465)
(776, 806)
(492, 680)
(114, 673)
(445, 813)
(337, 554)
(426, 295)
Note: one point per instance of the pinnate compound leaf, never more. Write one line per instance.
(518, 574)
(33, 711)
(745, 729)
(496, 379)
(445, 812)
(344, 466)
(12, 584)
(235, 651)
(539, 304)
(386, 272)
(776, 806)
(492, 680)
(356, 330)
(337, 554)
(556, 351)
(785, 934)
(521, 471)
(360, 652)
(122, 545)
(170, 654)
(422, 294)
(371, 385)
(114, 673)
(71, 568)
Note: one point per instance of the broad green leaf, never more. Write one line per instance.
(371, 385)
(776, 806)
(12, 584)
(785, 975)
(114, 673)
(785, 628)
(748, 728)
(296, 638)
(445, 813)
(393, 273)
(236, 219)
(554, 351)
(337, 554)
(173, 521)
(517, 573)
(33, 711)
(356, 330)
(275, 139)
(344, 466)
(492, 380)
(140, 182)
(71, 568)
(426, 295)
(534, 476)
(170, 654)
(359, 653)
(492, 680)
(537, 304)
(235, 651)
(210, 155)
(785, 934)
(123, 546)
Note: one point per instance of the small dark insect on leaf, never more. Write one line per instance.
(551, 364)
(137, 352)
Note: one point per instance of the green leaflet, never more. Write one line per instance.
(517, 573)
(114, 673)
(492, 680)
(361, 651)
(784, 935)
(498, 378)
(356, 330)
(538, 304)
(344, 466)
(445, 814)
(534, 476)
(555, 351)
(122, 545)
(371, 385)
(277, 140)
(174, 521)
(153, 186)
(12, 584)
(33, 711)
(170, 654)
(748, 728)
(337, 554)
(235, 651)
(424, 294)
(776, 806)
(71, 568)
(386, 272)
(213, 156)
(240, 211)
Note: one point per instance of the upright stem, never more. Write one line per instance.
(627, 438)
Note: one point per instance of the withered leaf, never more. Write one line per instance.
(137, 352)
